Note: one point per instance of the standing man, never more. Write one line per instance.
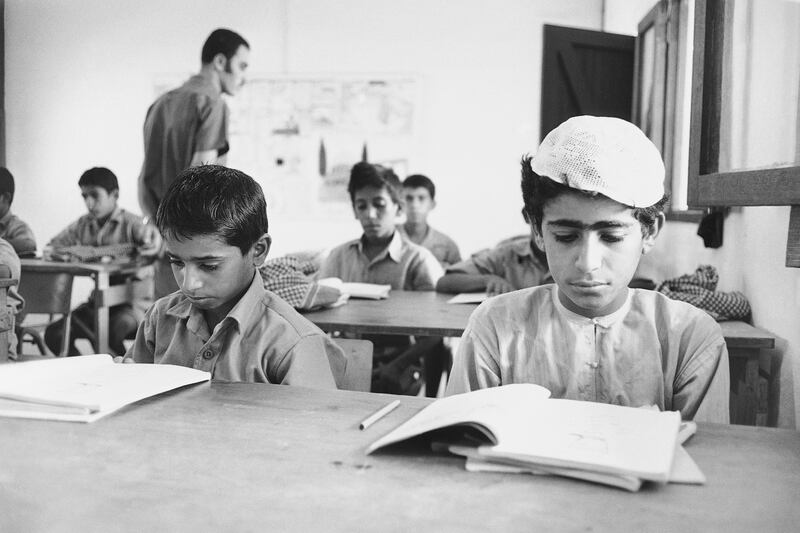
(188, 126)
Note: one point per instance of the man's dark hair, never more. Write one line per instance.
(537, 191)
(222, 41)
(415, 181)
(99, 177)
(214, 200)
(7, 183)
(365, 174)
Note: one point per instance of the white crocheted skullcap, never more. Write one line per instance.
(607, 155)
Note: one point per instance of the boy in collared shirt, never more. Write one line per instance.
(12, 229)
(515, 263)
(214, 223)
(381, 255)
(594, 196)
(419, 193)
(105, 224)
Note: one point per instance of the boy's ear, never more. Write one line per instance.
(652, 232)
(115, 194)
(538, 238)
(261, 249)
(220, 62)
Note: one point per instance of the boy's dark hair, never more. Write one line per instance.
(537, 191)
(415, 181)
(214, 200)
(7, 183)
(99, 177)
(222, 41)
(365, 174)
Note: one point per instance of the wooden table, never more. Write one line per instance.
(425, 313)
(104, 294)
(249, 457)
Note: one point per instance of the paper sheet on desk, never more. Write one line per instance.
(468, 298)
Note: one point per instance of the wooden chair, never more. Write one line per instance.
(45, 293)
(358, 374)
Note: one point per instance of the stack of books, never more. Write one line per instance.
(518, 428)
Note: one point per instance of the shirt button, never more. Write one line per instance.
(208, 354)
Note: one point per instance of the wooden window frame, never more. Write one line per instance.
(707, 185)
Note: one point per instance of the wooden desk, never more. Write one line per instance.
(246, 457)
(104, 295)
(751, 385)
(403, 313)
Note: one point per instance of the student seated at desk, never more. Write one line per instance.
(12, 229)
(222, 320)
(594, 196)
(515, 263)
(14, 303)
(105, 224)
(381, 255)
(419, 194)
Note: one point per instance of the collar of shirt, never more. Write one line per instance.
(603, 321)
(204, 85)
(241, 313)
(394, 250)
(115, 217)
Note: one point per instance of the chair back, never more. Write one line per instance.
(358, 373)
(47, 293)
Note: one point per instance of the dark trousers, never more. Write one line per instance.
(122, 324)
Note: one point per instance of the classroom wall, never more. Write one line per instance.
(80, 76)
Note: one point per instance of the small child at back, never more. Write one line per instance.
(381, 255)
(419, 193)
(594, 196)
(12, 229)
(214, 223)
(105, 224)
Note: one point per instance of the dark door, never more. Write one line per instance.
(585, 72)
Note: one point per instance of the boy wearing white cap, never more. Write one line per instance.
(594, 197)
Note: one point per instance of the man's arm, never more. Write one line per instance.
(456, 282)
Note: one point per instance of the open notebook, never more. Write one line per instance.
(84, 388)
(519, 428)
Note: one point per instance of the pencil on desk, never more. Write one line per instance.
(380, 413)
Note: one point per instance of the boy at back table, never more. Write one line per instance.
(419, 193)
(594, 196)
(12, 229)
(105, 224)
(214, 223)
(381, 255)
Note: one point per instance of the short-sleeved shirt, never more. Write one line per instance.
(191, 118)
(121, 227)
(443, 248)
(261, 340)
(17, 233)
(513, 260)
(402, 264)
(652, 351)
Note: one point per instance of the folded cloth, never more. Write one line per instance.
(698, 289)
(290, 278)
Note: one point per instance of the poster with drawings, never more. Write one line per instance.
(299, 136)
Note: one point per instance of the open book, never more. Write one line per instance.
(84, 388)
(371, 291)
(520, 427)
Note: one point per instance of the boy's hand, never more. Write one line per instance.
(126, 360)
(152, 241)
(496, 285)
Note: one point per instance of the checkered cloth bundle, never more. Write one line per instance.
(698, 289)
(290, 278)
